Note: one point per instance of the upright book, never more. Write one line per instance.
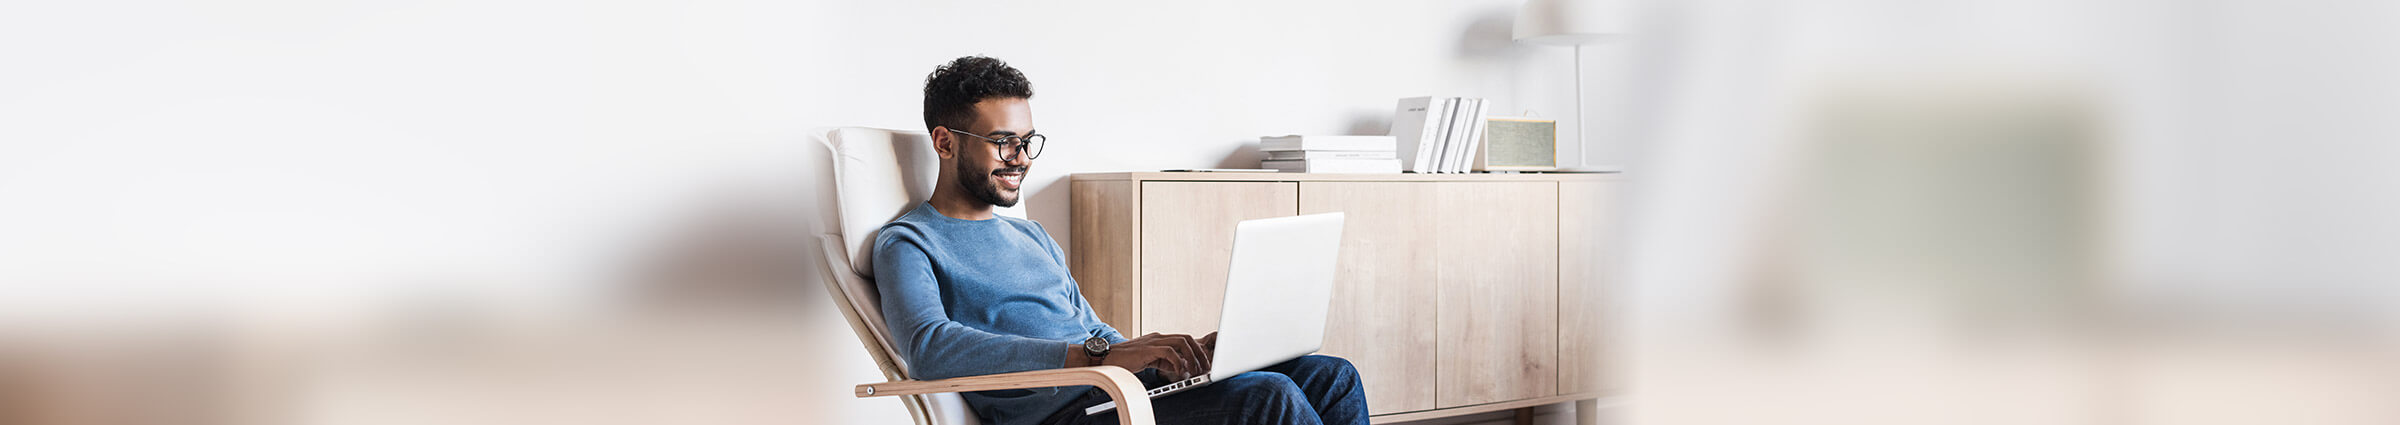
(1416, 127)
(1475, 136)
(1441, 146)
(1461, 125)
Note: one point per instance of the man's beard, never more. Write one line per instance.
(981, 187)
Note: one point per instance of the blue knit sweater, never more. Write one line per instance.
(978, 297)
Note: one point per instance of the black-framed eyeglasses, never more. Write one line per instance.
(1029, 145)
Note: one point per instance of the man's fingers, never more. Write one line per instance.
(1179, 365)
(1190, 348)
(1179, 356)
(1193, 363)
(1202, 355)
(1161, 358)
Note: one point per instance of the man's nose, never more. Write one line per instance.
(1016, 158)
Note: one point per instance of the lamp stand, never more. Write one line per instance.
(1583, 153)
(1583, 143)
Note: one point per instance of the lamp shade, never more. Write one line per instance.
(1568, 22)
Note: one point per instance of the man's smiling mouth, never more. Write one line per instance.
(1011, 179)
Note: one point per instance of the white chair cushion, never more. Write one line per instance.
(878, 176)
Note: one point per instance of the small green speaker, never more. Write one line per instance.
(1518, 144)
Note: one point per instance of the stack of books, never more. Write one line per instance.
(1438, 134)
(1330, 154)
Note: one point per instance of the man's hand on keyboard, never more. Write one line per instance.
(1176, 356)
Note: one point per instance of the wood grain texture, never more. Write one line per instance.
(1106, 220)
(1111, 379)
(1385, 288)
(1587, 231)
(1498, 340)
(1499, 286)
(1187, 230)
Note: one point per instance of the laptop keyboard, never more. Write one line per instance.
(1169, 388)
(1176, 386)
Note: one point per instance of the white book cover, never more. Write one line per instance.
(1415, 124)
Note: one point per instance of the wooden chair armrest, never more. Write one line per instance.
(1116, 381)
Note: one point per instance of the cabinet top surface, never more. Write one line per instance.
(1309, 177)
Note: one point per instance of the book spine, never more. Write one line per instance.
(1474, 135)
(1459, 125)
(1278, 143)
(1441, 147)
(1427, 135)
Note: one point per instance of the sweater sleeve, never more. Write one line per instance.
(1092, 323)
(935, 346)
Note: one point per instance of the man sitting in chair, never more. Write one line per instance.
(967, 292)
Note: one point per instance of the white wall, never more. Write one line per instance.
(311, 168)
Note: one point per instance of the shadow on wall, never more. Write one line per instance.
(1489, 38)
(1244, 155)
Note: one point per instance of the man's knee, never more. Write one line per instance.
(1324, 362)
(1325, 366)
(1263, 386)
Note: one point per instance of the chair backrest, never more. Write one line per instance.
(879, 175)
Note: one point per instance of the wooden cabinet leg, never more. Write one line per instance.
(1525, 416)
(1587, 412)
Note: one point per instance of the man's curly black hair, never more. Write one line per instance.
(953, 89)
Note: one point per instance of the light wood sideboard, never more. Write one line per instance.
(1457, 294)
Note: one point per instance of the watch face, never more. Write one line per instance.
(1095, 346)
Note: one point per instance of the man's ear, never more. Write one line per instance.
(943, 142)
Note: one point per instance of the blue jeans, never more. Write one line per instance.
(1306, 390)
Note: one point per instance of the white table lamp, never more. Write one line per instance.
(1571, 23)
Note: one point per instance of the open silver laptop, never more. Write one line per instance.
(1277, 291)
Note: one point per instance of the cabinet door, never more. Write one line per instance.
(1187, 243)
(1383, 289)
(1586, 233)
(1499, 291)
